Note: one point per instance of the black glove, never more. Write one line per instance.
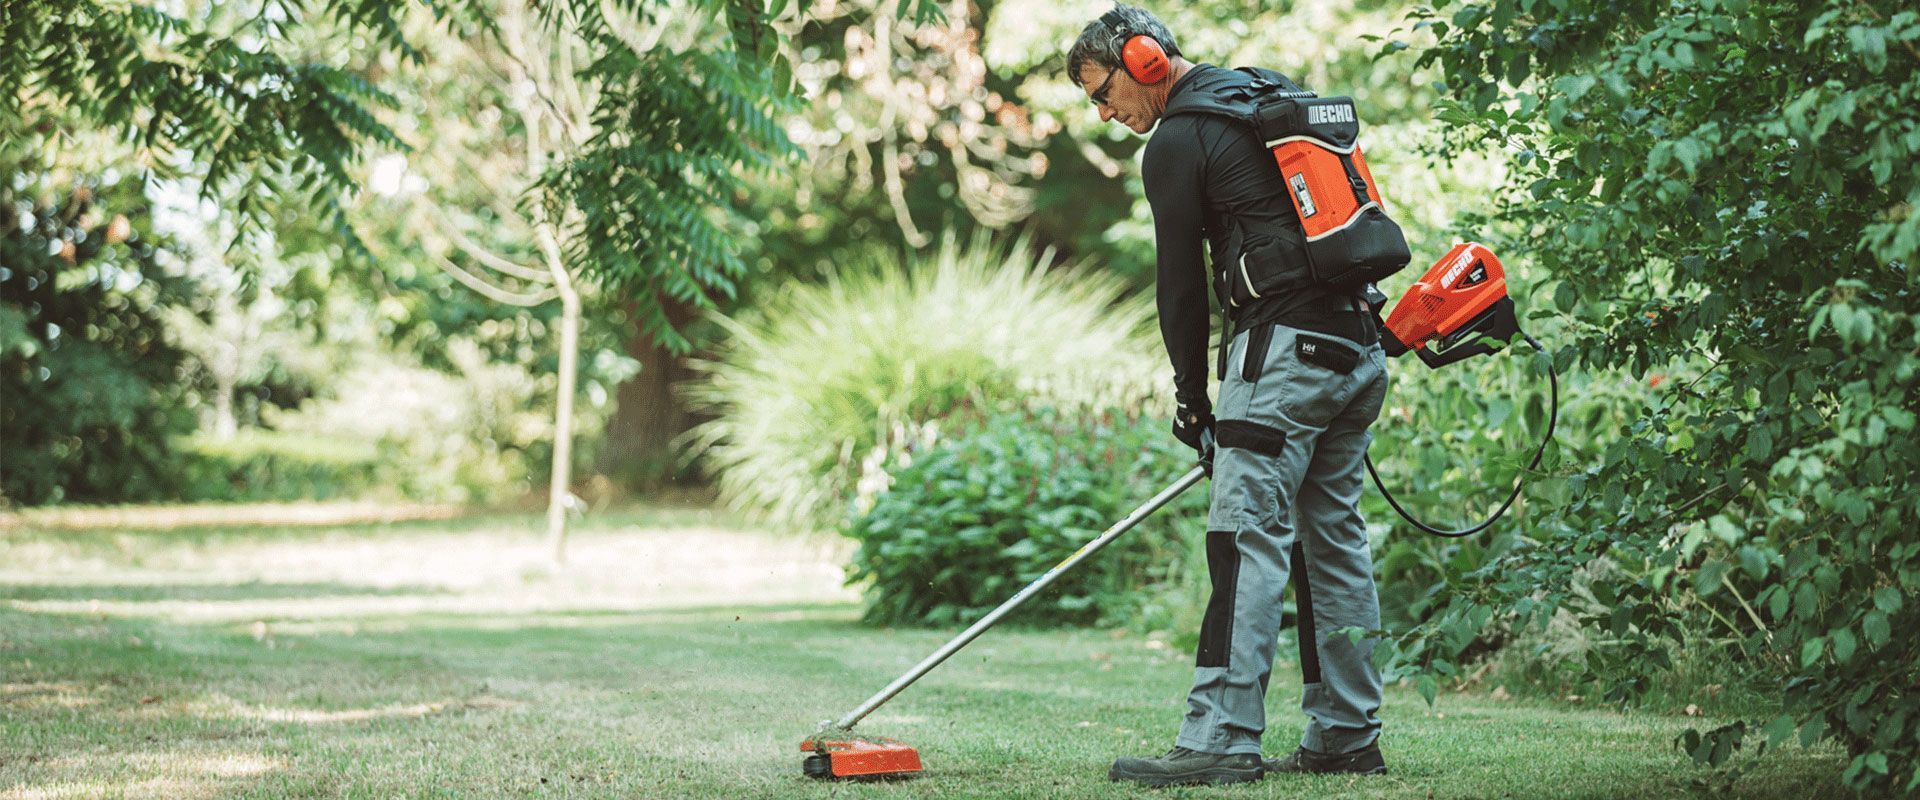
(1193, 426)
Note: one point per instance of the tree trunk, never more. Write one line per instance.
(648, 414)
(226, 424)
(227, 357)
(559, 495)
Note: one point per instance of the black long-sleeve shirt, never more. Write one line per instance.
(1200, 171)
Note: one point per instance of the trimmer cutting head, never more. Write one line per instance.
(841, 754)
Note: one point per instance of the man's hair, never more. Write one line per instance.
(1100, 41)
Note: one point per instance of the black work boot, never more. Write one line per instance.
(1181, 766)
(1365, 761)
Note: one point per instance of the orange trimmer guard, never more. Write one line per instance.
(859, 758)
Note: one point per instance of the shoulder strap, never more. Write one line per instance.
(1268, 83)
(1236, 100)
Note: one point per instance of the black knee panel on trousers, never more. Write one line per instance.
(1303, 617)
(1216, 628)
(1247, 434)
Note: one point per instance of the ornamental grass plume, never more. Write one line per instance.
(831, 383)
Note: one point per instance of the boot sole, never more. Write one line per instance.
(1214, 776)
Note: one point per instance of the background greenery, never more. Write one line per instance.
(1722, 196)
(86, 370)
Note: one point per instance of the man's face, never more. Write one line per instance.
(1125, 100)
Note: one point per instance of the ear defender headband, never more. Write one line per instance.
(1145, 59)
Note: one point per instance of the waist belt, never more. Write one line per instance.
(1350, 324)
(1342, 317)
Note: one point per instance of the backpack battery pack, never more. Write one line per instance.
(1315, 140)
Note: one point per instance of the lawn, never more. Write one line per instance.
(681, 655)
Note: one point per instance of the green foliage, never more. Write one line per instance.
(475, 434)
(678, 126)
(659, 166)
(819, 392)
(266, 128)
(968, 522)
(259, 466)
(1724, 194)
(946, 137)
(1452, 442)
(676, 123)
(87, 377)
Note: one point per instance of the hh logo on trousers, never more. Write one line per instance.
(1307, 348)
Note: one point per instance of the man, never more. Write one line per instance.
(1302, 380)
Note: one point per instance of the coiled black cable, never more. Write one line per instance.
(1553, 416)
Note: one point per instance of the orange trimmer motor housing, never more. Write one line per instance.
(859, 757)
(1462, 295)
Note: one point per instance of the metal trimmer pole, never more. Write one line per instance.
(1166, 495)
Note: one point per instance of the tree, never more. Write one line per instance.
(636, 149)
(682, 101)
(100, 97)
(263, 126)
(855, 187)
(879, 140)
(471, 218)
(1725, 196)
(235, 326)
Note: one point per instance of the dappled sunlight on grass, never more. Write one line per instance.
(227, 708)
(63, 694)
(204, 514)
(512, 611)
(168, 590)
(677, 662)
(147, 773)
(497, 569)
(563, 619)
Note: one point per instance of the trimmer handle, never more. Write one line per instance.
(1454, 355)
(1497, 323)
(1389, 342)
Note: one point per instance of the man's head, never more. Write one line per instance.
(1099, 60)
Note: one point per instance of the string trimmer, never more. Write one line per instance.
(1453, 312)
(835, 752)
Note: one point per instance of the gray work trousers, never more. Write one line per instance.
(1286, 491)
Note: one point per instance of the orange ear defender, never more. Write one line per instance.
(1145, 59)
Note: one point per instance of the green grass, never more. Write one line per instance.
(682, 656)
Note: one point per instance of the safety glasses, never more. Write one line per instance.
(1099, 95)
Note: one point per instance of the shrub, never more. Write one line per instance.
(970, 521)
(474, 435)
(264, 465)
(830, 382)
(89, 392)
(1682, 176)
